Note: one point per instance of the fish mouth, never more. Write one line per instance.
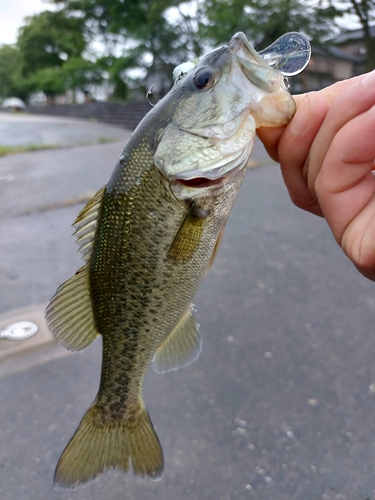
(228, 169)
(235, 152)
(234, 149)
(240, 45)
(212, 182)
(200, 182)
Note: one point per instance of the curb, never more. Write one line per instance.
(20, 355)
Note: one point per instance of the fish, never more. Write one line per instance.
(148, 237)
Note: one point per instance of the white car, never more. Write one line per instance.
(14, 103)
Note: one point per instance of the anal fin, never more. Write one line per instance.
(182, 346)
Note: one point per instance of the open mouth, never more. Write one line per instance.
(199, 182)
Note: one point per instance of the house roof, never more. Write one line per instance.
(331, 51)
(351, 35)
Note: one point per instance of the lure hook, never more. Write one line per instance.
(149, 92)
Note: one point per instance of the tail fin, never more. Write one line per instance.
(96, 447)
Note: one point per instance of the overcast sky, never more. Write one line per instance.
(13, 13)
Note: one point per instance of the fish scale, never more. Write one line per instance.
(146, 301)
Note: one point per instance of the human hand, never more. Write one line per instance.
(327, 155)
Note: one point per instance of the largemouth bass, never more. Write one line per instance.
(148, 237)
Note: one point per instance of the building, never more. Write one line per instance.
(343, 57)
(352, 41)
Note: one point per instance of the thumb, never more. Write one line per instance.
(270, 136)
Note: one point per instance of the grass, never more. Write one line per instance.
(9, 150)
(105, 140)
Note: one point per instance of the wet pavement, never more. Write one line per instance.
(21, 129)
(280, 404)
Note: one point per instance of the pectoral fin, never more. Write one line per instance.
(189, 235)
(181, 347)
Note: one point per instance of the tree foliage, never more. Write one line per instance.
(162, 33)
(9, 69)
(12, 82)
(49, 80)
(138, 29)
(80, 73)
(116, 69)
(56, 51)
(263, 21)
(364, 11)
(49, 39)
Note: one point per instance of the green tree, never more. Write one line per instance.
(364, 10)
(10, 65)
(263, 21)
(82, 74)
(51, 81)
(48, 40)
(115, 69)
(141, 30)
(159, 34)
(12, 82)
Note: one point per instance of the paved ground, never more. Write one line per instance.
(280, 404)
(24, 130)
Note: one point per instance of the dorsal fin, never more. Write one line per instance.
(86, 223)
(69, 314)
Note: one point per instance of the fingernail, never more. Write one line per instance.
(369, 80)
(300, 119)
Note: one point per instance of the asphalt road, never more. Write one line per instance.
(281, 403)
(25, 130)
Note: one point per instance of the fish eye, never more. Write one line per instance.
(204, 79)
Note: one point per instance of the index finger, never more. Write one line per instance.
(351, 101)
(271, 136)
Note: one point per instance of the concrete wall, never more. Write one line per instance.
(123, 115)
